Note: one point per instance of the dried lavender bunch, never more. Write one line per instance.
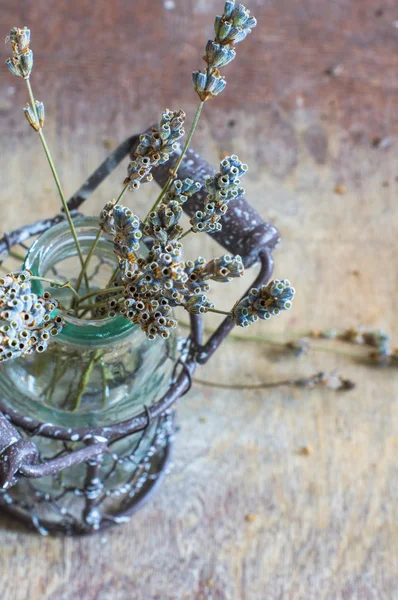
(231, 28)
(149, 288)
(27, 320)
(151, 282)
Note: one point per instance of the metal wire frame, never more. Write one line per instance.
(244, 233)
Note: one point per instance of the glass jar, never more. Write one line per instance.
(95, 373)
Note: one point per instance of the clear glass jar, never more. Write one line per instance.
(95, 373)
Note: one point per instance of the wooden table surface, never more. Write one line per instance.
(311, 105)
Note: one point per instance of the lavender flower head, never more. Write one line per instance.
(21, 62)
(26, 319)
(162, 223)
(125, 227)
(222, 187)
(263, 303)
(155, 148)
(231, 28)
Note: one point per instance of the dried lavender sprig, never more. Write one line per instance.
(230, 28)
(89, 256)
(59, 186)
(383, 354)
(21, 65)
(210, 84)
(270, 341)
(234, 25)
(179, 161)
(330, 381)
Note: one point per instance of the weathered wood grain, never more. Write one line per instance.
(322, 526)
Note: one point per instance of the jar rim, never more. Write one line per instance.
(77, 331)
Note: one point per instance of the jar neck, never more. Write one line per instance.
(54, 255)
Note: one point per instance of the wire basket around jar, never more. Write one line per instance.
(139, 447)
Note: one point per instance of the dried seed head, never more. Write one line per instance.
(21, 62)
(31, 117)
(40, 112)
(35, 118)
(19, 39)
(21, 65)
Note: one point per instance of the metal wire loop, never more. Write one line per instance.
(148, 416)
(187, 373)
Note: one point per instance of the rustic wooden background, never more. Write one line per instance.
(311, 105)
